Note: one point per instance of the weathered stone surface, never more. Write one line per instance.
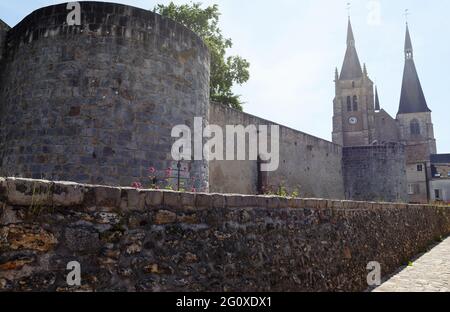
(165, 217)
(82, 239)
(27, 192)
(203, 242)
(101, 97)
(135, 200)
(8, 215)
(303, 158)
(172, 199)
(107, 197)
(388, 184)
(154, 198)
(67, 194)
(15, 265)
(26, 237)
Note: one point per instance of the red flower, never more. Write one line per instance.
(152, 170)
(137, 185)
(193, 190)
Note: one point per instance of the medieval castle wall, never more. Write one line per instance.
(96, 103)
(308, 164)
(375, 173)
(3, 31)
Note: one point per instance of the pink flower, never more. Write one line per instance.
(193, 190)
(152, 170)
(137, 185)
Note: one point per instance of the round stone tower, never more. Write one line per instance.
(96, 102)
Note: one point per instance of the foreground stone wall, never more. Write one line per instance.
(96, 103)
(132, 240)
(309, 165)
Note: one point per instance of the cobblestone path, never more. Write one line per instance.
(429, 273)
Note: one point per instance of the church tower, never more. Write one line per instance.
(416, 128)
(353, 117)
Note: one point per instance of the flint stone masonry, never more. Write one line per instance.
(142, 240)
(96, 103)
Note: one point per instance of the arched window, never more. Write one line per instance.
(355, 103)
(349, 104)
(415, 127)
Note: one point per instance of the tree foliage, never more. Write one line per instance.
(226, 71)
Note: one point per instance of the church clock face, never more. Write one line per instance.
(353, 120)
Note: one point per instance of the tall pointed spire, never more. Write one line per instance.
(350, 36)
(408, 44)
(412, 99)
(351, 69)
(377, 100)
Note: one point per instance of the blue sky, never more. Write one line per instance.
(294, 46)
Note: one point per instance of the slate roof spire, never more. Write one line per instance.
(351, 69)
(412, 98)
(408, 43)
(377, 100)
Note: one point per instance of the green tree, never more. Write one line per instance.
(225, 70)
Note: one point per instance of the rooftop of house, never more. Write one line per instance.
(440, 159)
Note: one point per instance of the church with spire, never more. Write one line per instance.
(359, 119)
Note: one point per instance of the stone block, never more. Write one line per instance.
(67, 194)
(26, 192)
(165, 217)
(188, 201)
(233, 201)
(133, 200)
(154, 198)
(172, 199)
(9, 216)
(218, 201)
(26, 237)
(203, 201)
(82, 239)
(107, 196)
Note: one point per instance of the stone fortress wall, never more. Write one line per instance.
(375, 173)
(3, 31)
(96, 103)
(310, 165)
(130, 240)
